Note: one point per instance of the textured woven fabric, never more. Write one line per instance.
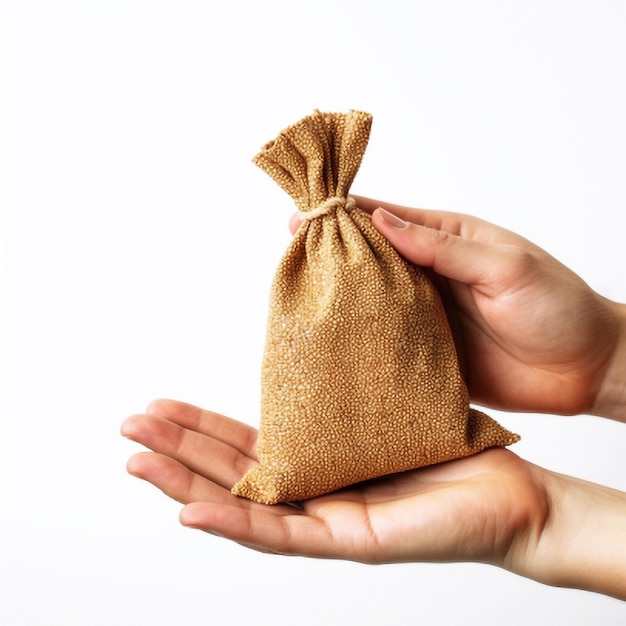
(360, 375)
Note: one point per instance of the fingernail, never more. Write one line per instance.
(391, 220)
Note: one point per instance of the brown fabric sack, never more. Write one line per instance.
(360, 376)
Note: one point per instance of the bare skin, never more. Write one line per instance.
(532, 336)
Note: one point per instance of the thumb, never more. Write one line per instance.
(463, 260)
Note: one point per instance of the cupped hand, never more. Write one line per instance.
(530, 334)
(482, 508)
(492, 507)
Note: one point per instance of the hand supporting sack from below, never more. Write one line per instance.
(360, 375)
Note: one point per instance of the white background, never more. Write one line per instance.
(139, 242)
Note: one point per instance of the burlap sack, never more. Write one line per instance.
(360, 375)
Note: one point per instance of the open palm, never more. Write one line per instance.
(481, 508)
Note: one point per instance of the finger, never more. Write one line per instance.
(214, 459)
(294, 223)
(441, 220)
(175, 479)
(460, 224)
(454, 223)
(463, 260)
(275, 529)
(236, 434)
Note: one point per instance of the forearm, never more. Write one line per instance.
(583, 542)
(611, 397)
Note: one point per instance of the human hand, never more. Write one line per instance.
(530, 334)
(492, 507)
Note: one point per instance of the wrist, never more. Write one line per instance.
(610, 400)
(582, 543)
